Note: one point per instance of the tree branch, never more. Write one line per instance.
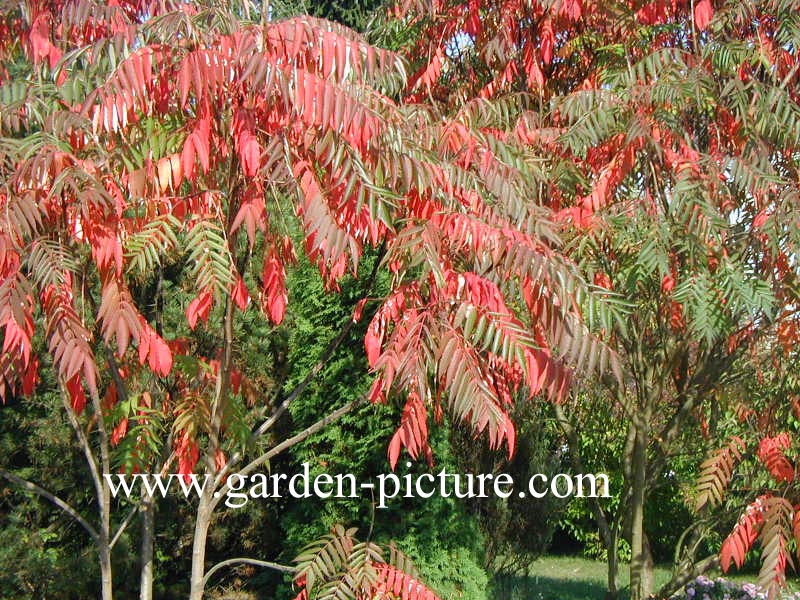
(307, 380)
(83, 442)
(126, 521)
(288, 443)
(222, 384)
(333, 345)
(105, 458)
(113, 368)
(246, 561)
(40, 491)
(678, 581)
(122, 526)
(323, 360)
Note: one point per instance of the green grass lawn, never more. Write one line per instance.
(575, 578)
(562, 578)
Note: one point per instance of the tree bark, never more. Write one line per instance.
(148, 510)
(681, 579)
(641, 568)
(201, 525)
(106, 578)
(212, 495)
(102, 492)
(105, 505)
(612, 563)
(50, 497)
(247, 561)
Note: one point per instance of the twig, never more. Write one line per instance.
(288, 443)
(40, 491)
(246, 561)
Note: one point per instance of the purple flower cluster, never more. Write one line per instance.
(704, 588)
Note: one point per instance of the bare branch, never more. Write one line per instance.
(40, 491)
(246, 561)
(83, 442)
(129, 517)
(288, 443)
(122, 526)
(323, 360)
(309, 378)
(681, 579)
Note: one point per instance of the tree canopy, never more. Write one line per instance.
(544, 194)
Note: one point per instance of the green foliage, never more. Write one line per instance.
(516, 530)
(601, 439)
(44, 558)
(451, 572)
(436, 533)
(45, 548)
(353, 13)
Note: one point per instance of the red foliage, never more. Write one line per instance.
(188, 455)
(154, 350)
(200, 308)
(703, 13)
(743, 536)
(76, 394)
(413, 432)
(274, 296)
(770, 452)
(390, 582)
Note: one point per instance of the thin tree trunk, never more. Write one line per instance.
(201, 525)
(148, 510)
(105, 504)
(641, 568)
(104, 544)
(648, 568)
(211, 496)
(612, 563)
(209, 499)
(106, 579)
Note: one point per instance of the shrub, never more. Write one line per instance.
(704, 588)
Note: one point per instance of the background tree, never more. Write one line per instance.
(649, 148)
(113, 196)
(748, 479)
(671, 133)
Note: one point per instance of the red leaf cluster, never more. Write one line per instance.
(412, 433)
(154, 350)
(274, 296)
(188, 454)
(743, 536)
(200, 308)
(771, 453)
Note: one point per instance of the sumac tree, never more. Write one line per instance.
(147, 144)
(670, 130)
